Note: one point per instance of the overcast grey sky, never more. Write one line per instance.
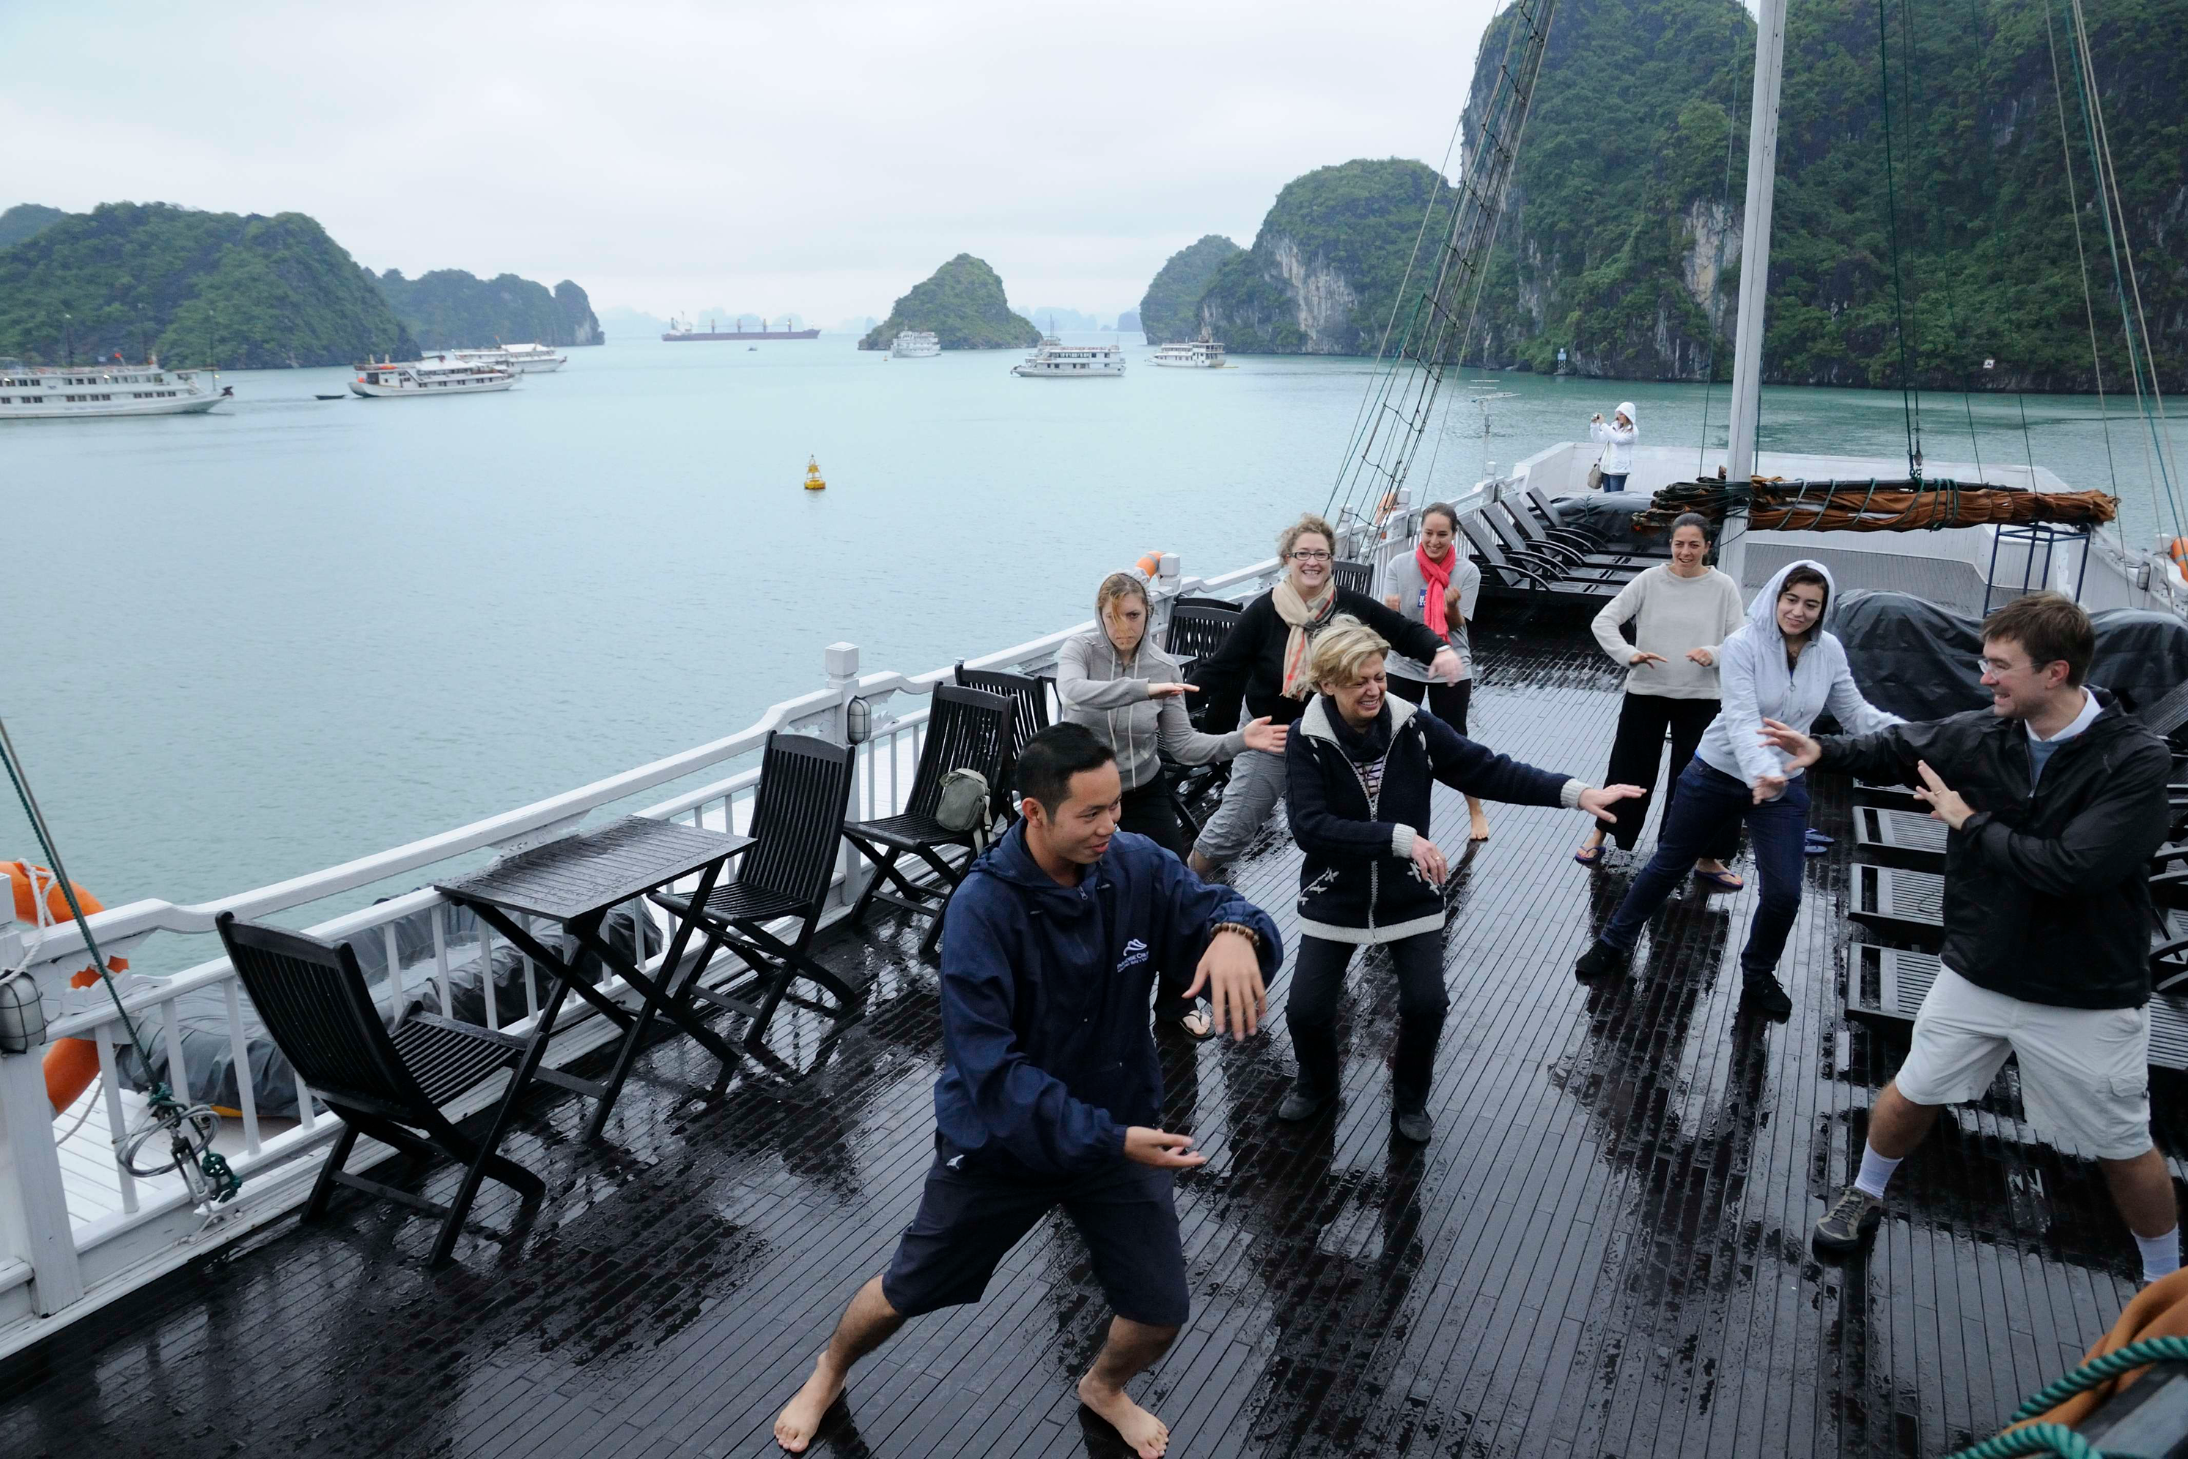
(818, 158)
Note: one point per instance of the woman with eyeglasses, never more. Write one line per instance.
(1265, 662)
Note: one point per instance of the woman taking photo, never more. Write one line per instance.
(1681, 611)
(1358, 769)
(1437, 587)
(1265, 661)
(1781, 665)
(1617, 440)
(1132, 694)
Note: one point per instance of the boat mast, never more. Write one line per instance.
(1747, 361)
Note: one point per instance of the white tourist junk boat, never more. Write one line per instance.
(441, 375)
(1055, 360)
(915, 344)
(47, 392)
(521, 359)
(1196, 354)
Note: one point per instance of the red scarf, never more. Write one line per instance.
(1437, 575)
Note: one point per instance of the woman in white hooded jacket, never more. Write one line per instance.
(1781, 665)
(1617, 440)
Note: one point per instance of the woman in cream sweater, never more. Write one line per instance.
(1680, 611)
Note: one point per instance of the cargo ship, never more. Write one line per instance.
(685, 331)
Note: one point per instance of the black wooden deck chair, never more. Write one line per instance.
(1504, 576)
(966, 730)
(1028, 698)
(1529, 532)
(797, 824)
(1544, 511)
(1552, 559)
(1358, 576)
(1198, 627)
(314, 1002)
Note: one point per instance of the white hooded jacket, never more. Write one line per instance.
(1617, 440)
(1754, 684)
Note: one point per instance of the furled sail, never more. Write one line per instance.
(1777, 505)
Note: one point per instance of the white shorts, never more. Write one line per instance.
(2085, 1072)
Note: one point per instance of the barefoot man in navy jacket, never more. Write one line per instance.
(1050, 1089)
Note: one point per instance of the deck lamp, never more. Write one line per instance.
(858, 721)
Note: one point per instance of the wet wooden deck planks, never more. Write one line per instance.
(1604, 1252)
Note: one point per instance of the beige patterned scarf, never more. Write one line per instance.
(1303, 616)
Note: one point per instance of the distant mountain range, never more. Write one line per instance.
(244, 291)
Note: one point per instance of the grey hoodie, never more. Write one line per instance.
(1754, 684)
(1108, 695)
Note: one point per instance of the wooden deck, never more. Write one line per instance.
(1604, 1251)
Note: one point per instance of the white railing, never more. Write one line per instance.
(76, 1228)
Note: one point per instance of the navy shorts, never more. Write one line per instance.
(967, 1224)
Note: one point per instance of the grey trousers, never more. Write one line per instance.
(1257, 784)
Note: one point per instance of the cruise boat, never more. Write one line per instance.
(441, 375)
(915, 344)
(1055, 360)
(47, 392)
(520, 359)
(1196, 354)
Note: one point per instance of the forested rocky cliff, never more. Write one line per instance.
(1627, 195)
(452, 309)
(1171, 310)
(195, 288)
(1327, 263)
(963, 303)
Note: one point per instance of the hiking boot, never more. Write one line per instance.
(1850, 1222)
(1765, 995)
(1299, 1105)
(1411, 1125)
(1600, 962)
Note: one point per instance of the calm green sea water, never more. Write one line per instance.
(247, 645)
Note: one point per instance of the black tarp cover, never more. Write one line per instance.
(1921, 662)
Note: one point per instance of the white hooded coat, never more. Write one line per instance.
(1754, 684)
(1617, 440)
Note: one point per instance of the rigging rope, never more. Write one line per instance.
(2085, 81)
(190, 1130)
(1910, 406)
(1717, 269)
(2081, 259)
(1401, 402)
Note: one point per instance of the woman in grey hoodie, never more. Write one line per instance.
(1123, 687)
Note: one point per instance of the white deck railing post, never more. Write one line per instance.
(1164, 589)
(34, 1224)
(841, 663)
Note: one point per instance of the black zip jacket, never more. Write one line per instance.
(1251, 661)
(2047, 893)
(1357, 881)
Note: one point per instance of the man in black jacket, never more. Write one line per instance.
(2056, 800)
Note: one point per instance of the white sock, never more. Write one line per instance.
(1876, 1173)
(2160, 1254)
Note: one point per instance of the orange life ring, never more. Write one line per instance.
(2178, 551)
(1150, 564)
(71, 1064)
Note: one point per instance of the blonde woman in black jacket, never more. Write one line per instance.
(1358, 767)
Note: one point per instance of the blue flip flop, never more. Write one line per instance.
(1723, 881)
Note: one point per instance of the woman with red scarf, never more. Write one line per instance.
(1438, 586)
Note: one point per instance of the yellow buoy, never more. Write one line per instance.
(813, 480)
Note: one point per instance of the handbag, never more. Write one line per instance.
(962, 805)
(1595, 474)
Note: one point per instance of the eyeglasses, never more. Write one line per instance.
(1310, 555)
(1996, 668)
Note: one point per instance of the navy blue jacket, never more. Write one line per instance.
(1048, 1052)
(1357, 880)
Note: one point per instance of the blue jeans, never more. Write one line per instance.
(1614, 483)
(1709, 804)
